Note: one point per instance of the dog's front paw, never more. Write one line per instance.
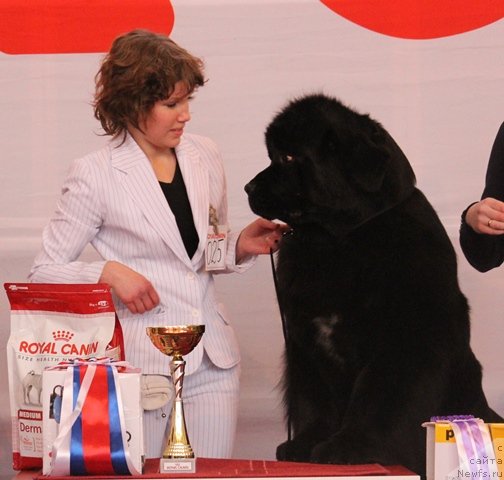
(292, 451)
(328, 452)
(346, 450)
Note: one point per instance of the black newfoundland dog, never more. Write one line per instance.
(377, 329)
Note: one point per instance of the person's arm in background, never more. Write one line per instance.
(482, 224)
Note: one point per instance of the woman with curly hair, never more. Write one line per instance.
(146, 202)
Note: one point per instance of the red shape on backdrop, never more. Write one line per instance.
(76, 26)
(419, 19)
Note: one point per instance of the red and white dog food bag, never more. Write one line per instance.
(51, 323)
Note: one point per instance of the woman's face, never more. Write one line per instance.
(163, 126)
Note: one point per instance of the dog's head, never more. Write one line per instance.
(329, 166)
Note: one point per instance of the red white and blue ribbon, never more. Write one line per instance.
(92, 437)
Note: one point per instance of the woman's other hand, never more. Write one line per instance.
(133, 289)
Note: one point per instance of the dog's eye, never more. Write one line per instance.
(287, 158)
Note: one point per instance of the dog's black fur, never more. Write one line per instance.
(377, 327)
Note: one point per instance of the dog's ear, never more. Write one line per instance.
(368, 162)
(364, 158)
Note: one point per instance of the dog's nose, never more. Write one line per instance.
(249, 188)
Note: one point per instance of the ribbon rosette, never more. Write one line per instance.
(92, 439)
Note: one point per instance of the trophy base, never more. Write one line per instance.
(179, 465)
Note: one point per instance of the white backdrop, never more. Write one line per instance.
(441, 99)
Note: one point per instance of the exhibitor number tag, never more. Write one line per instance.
(216, 246)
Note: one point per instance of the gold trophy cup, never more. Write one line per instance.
(176, 341)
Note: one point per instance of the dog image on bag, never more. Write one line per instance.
(32, 388)
(377, 328)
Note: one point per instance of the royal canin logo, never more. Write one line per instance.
(61, 345)
(63, 335)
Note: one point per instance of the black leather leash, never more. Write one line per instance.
(284, 323)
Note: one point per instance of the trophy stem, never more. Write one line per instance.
(178, 445)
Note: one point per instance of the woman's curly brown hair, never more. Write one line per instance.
(140, 69)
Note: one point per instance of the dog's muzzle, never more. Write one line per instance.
(250, 187)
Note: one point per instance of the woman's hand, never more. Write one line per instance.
(134, 290)
(258, 238)
(486, 216)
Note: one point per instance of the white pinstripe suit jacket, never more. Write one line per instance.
(112, 199)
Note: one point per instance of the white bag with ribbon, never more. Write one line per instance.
(461, 446)
(92, 418)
